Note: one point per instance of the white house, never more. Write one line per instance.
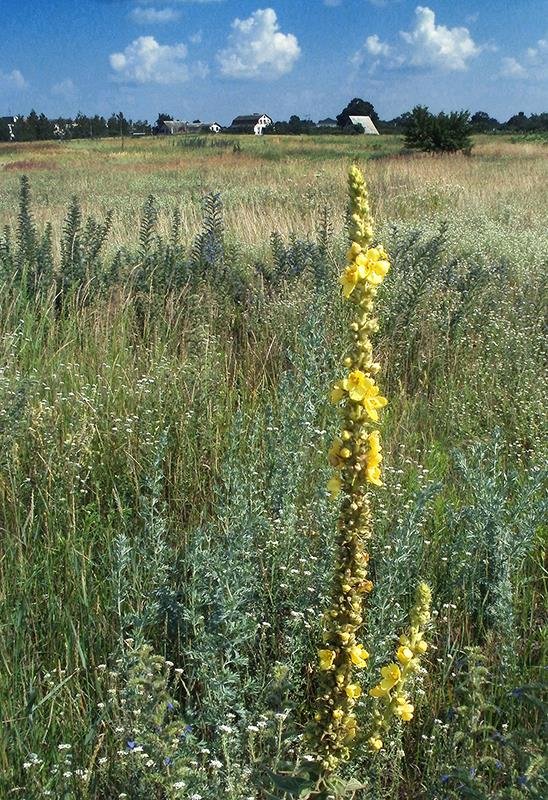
(367, 124)
(10, 122)
(251, 122)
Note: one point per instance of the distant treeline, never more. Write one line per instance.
(38, 127)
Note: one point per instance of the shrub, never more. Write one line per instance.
(442, 133)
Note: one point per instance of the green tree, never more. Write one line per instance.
(481, 122)
(357, 108)
(442, 133)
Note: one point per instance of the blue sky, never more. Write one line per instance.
(214, 59)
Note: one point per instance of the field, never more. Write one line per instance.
(167, 542)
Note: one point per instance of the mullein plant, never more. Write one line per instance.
(391, 693)
(356, 456)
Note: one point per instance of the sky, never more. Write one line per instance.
(215, 59)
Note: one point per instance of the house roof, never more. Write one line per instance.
(248, 119)
(366, 122)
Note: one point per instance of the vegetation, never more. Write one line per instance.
(37, 127)
(167, 537)
(444, 133)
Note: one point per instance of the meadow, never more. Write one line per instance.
(168, 341)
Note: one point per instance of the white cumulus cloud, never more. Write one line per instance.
(150, 15)
(426, 45)
(12, 80)
(147, 61)
(437, 45)
(375, 47)
(258, 49)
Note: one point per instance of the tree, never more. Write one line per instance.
(519, 122)
(442, 133)
(161, 119)
(356, 108)
(481, 122)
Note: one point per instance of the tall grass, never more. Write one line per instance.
(161, 498)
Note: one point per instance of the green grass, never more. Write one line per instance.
(162, 474)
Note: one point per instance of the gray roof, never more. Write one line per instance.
(248, 119)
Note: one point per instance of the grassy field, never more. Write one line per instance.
(166, 537)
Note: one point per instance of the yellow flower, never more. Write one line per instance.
(353, 273)
(334, 456)
(371, 404)
(353, 690)
(338, 713)
(360, 386)
(376, 265)
(404, 655)
(378, 691)
(337, 393)
(421, 647)
(391, 674)
(334, 486)
(358, 655)
(374, 475)
(351, 726)
(363, 389)
(375, 743)
(404, 710)
(327, 657)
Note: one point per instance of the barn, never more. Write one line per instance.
(367, 124)
(251, 123)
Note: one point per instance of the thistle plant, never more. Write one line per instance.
(356, 457)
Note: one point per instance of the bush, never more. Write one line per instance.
(442, 133)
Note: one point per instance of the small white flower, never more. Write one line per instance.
(63, 747)
(215, 764)
(179, 785)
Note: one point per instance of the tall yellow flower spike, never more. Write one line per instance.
(356, 457)
(391, 691)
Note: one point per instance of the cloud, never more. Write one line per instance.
(12, 80)
(375, 47)
(147, 61)
(511, 68)
(258, 49)
(64, 88)
(533, 63)
(437, 45)
(152, 16)
(426, 45)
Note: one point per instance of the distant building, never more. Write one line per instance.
(170, 127)
(367, 124)
(9, 122)
(202, 127)
(251, 123)
(328, 122)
